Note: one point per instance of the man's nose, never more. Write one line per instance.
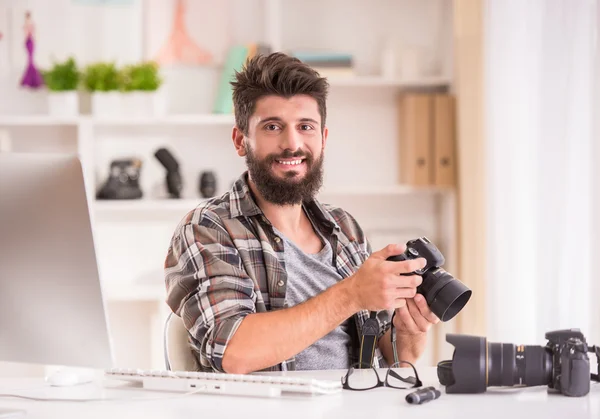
(291, 140)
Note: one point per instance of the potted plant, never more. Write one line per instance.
(102, 80)
(62, 81)
(140, 84)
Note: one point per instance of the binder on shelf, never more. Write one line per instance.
(444, 140)
(427, 139)
(236, 58)
(416, 154)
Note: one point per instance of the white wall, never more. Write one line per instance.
(542, 69)
(363, 144)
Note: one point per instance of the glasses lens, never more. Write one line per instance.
(401, 375)
(362, 378)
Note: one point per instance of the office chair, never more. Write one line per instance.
(178, 355)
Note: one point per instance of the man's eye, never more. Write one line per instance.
(271, 127)
(306, 127)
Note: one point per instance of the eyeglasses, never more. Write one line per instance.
(367, 377)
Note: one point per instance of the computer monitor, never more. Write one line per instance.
(52, 310)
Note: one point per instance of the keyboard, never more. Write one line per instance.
(225, 384)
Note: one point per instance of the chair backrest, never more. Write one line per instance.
(178, 355)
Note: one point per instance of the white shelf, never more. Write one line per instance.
(189, 119)
(376, 81)
(209, 119)
(47, 120)
(391, 190)
(147, 205)
(182, 206)
(36, 120)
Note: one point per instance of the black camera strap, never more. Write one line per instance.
(596, 350)
(368, 342)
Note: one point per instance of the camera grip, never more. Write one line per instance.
(400, 258)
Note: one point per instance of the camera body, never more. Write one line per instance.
(123, 180)
(570, 362)
(445, 295)
(562, 364)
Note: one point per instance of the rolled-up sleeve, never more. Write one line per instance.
(208, 287)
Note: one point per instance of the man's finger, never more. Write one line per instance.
(389, 250)
(408, 324)
(400, 302)
(406, 266)
(408, 281)
(425, 310)
(417, 317)
(405, 293)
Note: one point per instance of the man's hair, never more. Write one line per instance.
(275, 74)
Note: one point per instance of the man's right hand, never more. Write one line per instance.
(378, 285)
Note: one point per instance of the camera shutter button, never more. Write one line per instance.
(413, 252)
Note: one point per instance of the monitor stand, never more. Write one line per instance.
(11, 413)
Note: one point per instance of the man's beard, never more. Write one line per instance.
(285, 191)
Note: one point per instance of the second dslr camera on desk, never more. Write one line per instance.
(562, 364)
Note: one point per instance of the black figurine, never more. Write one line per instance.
(208, 184)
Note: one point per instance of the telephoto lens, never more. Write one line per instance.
(562, 364)
(477, 364)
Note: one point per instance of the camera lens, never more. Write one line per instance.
(445, 295)
(510, 365)
(478, 364)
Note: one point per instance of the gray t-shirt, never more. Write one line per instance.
(308, 276)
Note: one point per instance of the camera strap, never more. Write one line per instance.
(596, 350)
(368, 342)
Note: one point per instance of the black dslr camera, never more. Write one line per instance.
(445, 295)
(123, 180)
(562, 364)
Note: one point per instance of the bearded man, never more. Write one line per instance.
(266, 277)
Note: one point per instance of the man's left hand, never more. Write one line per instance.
(412, 322)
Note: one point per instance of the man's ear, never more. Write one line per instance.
(238, 141)
(325, 134)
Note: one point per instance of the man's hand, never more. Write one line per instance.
(377, 285)
(412, 322)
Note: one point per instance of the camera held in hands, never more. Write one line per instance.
(562, 364)
(445, 295)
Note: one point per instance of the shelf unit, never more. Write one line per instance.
(186, 204)
(377, 81)
(127, 229)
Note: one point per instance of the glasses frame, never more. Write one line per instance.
(415, 380)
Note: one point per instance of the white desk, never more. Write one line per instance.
(381, 403)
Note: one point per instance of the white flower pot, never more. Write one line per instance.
(63, 104)
(144, 104)
(133, 104)
(159, 103)
(107, 104)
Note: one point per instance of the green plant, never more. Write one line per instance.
(63, 76)
(143, 76)
(101, 77)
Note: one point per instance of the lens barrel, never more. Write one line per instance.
(478, 364)
(446, 296)
(523, 365)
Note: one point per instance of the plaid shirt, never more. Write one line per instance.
(225, 262)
